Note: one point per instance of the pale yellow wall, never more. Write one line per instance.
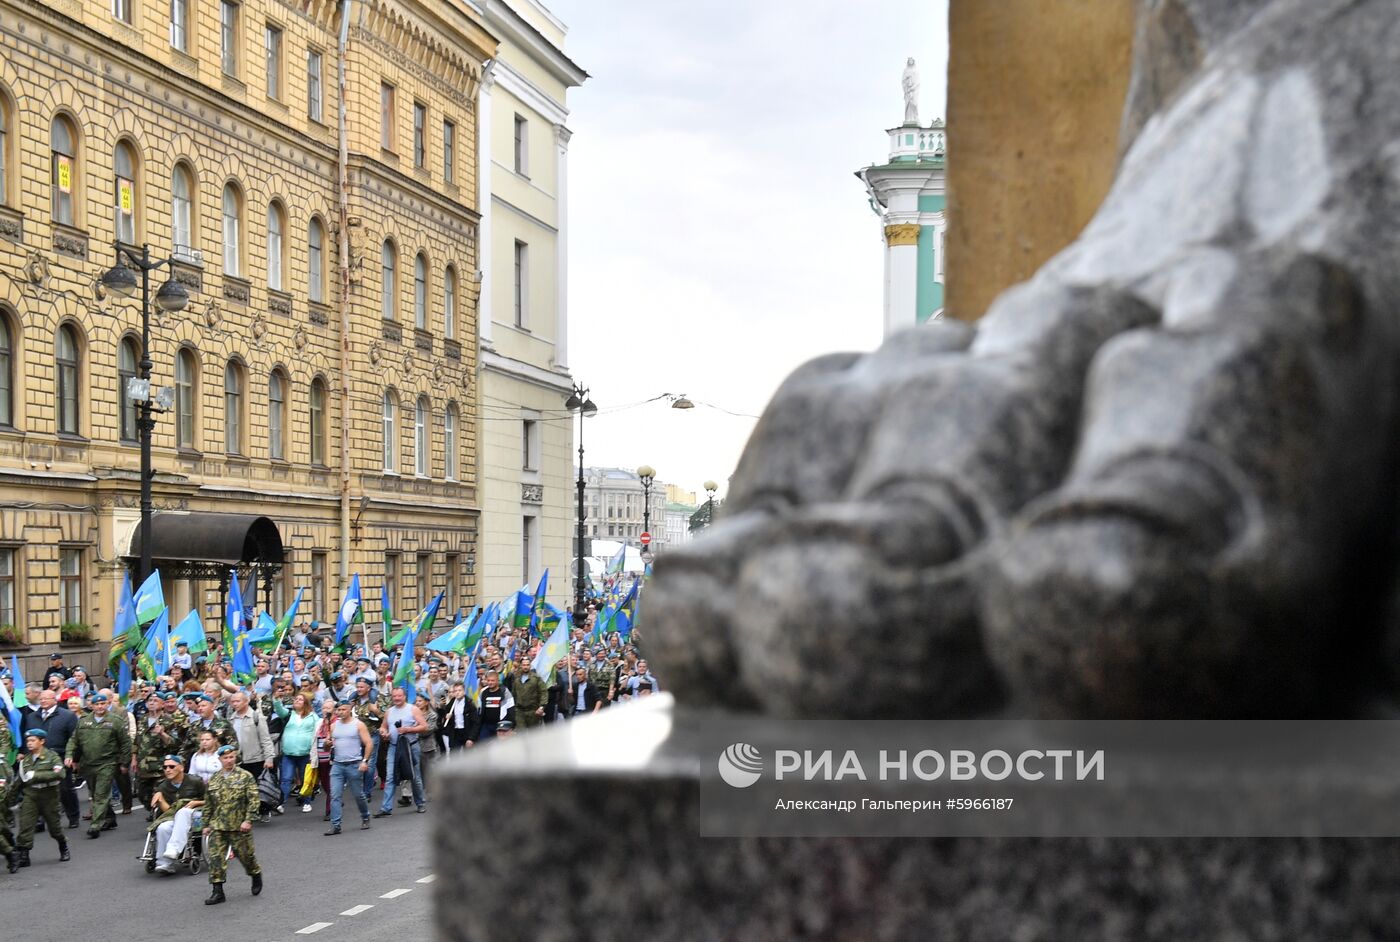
(502, 506)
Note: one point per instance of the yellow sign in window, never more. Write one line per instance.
(65, 174)
(125, 198)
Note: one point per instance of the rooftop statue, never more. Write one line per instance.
(1157, 479)
(909, 81)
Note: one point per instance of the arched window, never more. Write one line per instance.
(449, 441)
(449, 304)
(276, 416)
(66, 367)
(421, 420)
(186, 400)
(233, 408)
(127, 355)
(124, 192)
(182, 210)
(233, 231)
(318, 422)
(420, 292)
(7, 373)
(389, 263)
(316, 261)
(63, 146)
(390, 443)
(276, 226)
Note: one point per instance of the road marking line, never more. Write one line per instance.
(394, 894)
(314, 927)
(356, 910)
(428, 879)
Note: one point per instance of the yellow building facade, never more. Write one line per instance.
(323, 371)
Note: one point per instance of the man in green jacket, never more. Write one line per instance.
(40, 770)
(530, 695)
(98, 746)
(230, 807)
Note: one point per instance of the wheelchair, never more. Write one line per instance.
(191, 855)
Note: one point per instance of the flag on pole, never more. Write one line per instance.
(126, 632)
(236, 630)
(7, 706)
(264, 632)
(158, 649)
(553, 651)
(385, 614)
(470, 680)
(285, 622)
(407, 668)
(455, 639)
(351, 612)
(538, 603)
(619, 561)
(149, 599)
(190, 631)
(524, 605)
(124, 677)
(20, 699)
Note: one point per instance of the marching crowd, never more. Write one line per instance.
(205, 759)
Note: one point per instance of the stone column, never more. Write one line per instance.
(561, 246)
(901, 276)
(1036, 93)
(483, 196)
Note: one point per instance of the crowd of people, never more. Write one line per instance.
(205, 758)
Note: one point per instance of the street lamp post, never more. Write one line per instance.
(710, 488)
(170, 297)
(646, 474)
(579, 402)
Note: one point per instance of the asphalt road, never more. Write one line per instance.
(311, 882)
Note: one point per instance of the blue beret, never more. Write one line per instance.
(98, 698)
(55, 656)
(36, 733)
(4, 674)
(79, 667)
(172, 758)
(199, 696)
(166, 695)
(222, 750)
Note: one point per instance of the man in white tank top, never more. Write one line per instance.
(403, 723)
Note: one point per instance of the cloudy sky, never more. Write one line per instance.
(718, 237)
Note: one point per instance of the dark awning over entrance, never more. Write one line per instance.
(208, 545)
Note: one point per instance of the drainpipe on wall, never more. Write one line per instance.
(343, 212)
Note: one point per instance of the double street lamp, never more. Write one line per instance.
(710, 488)
(121, 281)
(646, 474)
(579, 402)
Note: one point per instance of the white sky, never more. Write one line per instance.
(718, 237)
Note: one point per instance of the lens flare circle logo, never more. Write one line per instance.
(740, 765)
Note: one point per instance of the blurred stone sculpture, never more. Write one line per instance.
(909, 82)
(1157, 479)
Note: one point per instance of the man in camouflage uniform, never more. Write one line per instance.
(369, 709)
(601, 677)
(230, 806)
(206, 718)
(154, 741)
(7, 845)
(40, 770)
(530, 694)
(98, 746)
